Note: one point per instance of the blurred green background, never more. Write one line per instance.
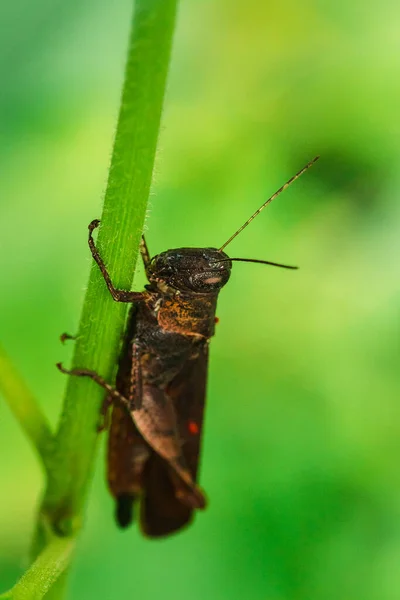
(301, 450)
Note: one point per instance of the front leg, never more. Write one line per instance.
(118, 295)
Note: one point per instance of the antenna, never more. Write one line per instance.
(282, 189)
(256, 260)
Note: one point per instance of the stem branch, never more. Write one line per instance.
(25, 408)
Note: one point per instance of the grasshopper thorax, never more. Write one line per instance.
(193, 270)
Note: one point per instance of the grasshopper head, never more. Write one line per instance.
(196, 270)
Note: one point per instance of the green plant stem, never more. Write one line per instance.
(44, 572)
(25, 408)
(102, 320)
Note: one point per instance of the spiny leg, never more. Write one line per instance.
(148, 428)
(118, 295)
(104, 412)
(135, 381)
(112, 392)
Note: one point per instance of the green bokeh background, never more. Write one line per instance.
(302, 439)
